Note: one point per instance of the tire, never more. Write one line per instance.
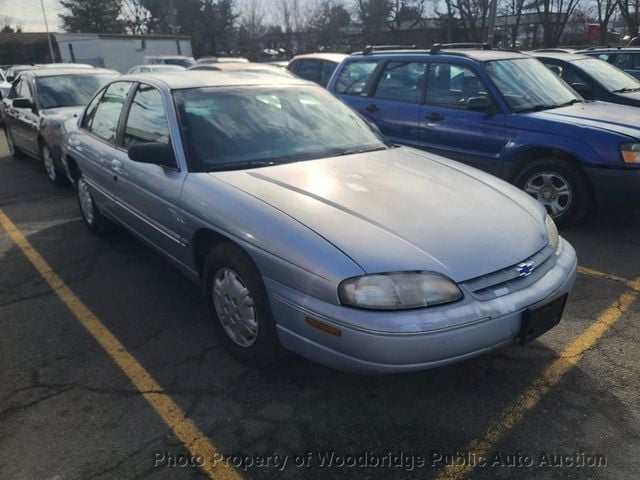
(559, 186)
(234, 290)
(53, 172)
(95, 222)
(13, 150)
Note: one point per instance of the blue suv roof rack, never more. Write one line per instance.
(380, 48)
(439, 46)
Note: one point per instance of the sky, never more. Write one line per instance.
(28, 13)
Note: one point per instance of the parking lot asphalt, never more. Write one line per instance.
(566, 406)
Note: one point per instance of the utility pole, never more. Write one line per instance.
(46, 26)
(491, 27)
(174, 26)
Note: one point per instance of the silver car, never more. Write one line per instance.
(307, 231)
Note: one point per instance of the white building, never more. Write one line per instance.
(119, 52)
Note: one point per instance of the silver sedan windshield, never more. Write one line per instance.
(612, 78)
(244, 127)
(528, 85)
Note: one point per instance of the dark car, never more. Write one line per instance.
(625, 58)
(503, 112)
(39, 102)
(593, 78)
(317, 67)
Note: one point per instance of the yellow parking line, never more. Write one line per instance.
(632, 284)
(194, 440)
(551, 375)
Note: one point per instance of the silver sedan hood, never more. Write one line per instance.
(400, 209)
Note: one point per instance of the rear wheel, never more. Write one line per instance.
(13, 150)
(97, 223)
(560, 187)
(53, 172)
(237, 302)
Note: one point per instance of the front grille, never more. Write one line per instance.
(508, 280)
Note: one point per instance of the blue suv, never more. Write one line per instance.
(503, 112)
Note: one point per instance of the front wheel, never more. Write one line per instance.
(559, 187)
(237, 302)
(93, 219)
(53, 172)
(13, 150)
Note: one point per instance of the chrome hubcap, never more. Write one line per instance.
(235, 307)
(552, 190)
(48, 163)
(86, 202)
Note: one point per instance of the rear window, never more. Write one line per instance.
(68, 90)
(355, 77)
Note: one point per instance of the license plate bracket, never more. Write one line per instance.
(538, 320)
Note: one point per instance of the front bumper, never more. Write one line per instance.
(615, 187)
(378, 342)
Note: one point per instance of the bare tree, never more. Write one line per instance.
(325, 22)
(474, 15)
(605, 10)
(252, 28)
(405, 15)
(372, 15)
(630, 11)
(554, 14)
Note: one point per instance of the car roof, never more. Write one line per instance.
(567, 57)
(331, 57)
(610, 49)
(212, 78)
(480, 55)
(180, 57)
(58, 72)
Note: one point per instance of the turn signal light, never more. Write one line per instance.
(324, 327)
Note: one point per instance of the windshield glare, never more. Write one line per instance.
(233, 127)
(527, 84)
(68, 90)
(612, 78)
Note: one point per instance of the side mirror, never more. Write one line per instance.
(480, 104)
(11, 78)
(155, 153)
(22, 103)
(582, 88)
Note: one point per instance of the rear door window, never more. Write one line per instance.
(355, 77)
(103, 120)
(628, 61)
(402, 82)
(326, 70)
(309, 70)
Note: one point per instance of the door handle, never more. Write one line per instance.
(117, 166)
(434, 117)
(373, 108)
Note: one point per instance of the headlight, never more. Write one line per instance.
(631, 153)
(552, 232)
(398, 291)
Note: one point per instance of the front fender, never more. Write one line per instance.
(283, 249)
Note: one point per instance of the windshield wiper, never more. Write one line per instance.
(570, 102)
(537, 108)
(626, 89)
(243, 165)
(353, 151)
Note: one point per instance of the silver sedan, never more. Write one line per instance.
(307, 231)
